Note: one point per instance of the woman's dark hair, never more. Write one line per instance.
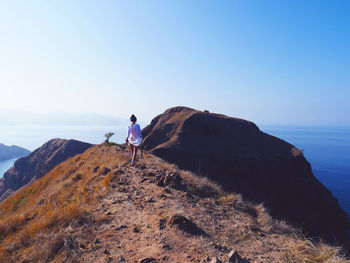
(133, 118)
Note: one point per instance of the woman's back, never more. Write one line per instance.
(134, 134)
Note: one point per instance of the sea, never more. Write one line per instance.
(326, 148)
(5, 165)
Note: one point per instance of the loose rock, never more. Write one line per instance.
(147, 260)
(171, 179)
(136, 229)
(121, 227)
(233, 257)
(143, 180)
(96, 169)
(186, 225)
(215, 260)
(105, 171)
(150, 174)
(162, 223)
(150, 199)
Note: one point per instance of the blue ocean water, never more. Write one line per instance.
(328, 151)
(5, 165)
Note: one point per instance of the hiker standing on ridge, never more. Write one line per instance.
(134, 137)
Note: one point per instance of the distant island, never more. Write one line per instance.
(11, 152)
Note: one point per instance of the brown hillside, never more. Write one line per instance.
(237, 155)
(32, 167)
(95, 207)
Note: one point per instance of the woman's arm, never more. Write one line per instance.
(128, 134)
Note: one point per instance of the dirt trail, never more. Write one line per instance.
(132, 222)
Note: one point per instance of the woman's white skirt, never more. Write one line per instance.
(135, 141)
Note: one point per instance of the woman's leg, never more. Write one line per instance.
(135, 153)
(131, 151)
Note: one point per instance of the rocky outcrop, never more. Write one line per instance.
(11, 152)
(243, 159)
(38, 163)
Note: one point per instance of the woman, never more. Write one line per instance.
(134, 137)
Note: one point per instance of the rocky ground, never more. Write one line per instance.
(153, 214)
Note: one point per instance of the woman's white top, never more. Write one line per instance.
(134, 134)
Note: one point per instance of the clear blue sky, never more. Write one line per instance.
(272, 62)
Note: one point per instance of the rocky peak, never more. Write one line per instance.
(264, 169)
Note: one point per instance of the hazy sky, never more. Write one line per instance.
(272, 62)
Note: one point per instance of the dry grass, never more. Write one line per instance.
(107, 179)
(54, 201)
(202, 185)
(53, 247)
(121, 159)
(159, 163)
(229, 199)
(255, 219)
(33, 221)
(306, 251)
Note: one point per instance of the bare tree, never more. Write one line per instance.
(108, 135)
